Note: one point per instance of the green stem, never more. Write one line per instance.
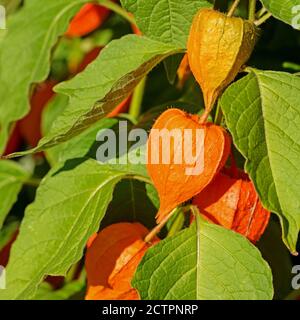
(179, 220)
(233, 8)
(117, 9)
(137, 99)
(128, 117)
(33, 182)
(248, 69)
(252, 9)
(261, 12)
(152, 234)
(72, 272)
(82, 276)
(195, 210)
(219, 115)
(177, 224)
(263, 19)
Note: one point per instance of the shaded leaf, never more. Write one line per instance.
(262, 113)
(279, 259)
(12, 177)
(171, 65)
(7, 233)
(132, 202)
(28, 56)
(46, 292)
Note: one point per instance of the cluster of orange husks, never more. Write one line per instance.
(218, 46)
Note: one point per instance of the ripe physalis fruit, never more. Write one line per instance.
(234, 204)
(111, 261)
(179, 167)
(218, 46)
(89, 18)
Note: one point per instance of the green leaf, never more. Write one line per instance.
(204, 262)
(279, 260)
(7, 233)
(262, 113)
(46, 292)
(165, 20)
(171, 65)
(132, 203)
(52, 111)
(25, 54)
(69, 206)
(12, 177)
(105, 83)
(284, 10)
(80, 145)
(76, 147)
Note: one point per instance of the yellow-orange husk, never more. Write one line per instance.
(218, 46)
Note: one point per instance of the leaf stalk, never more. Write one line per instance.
(151, 235)
(137, 99)
(263, 19)
(251, 10)
(118, 9)
(233, 8)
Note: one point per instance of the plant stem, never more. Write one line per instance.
(263, 19)
(219, 115)
(150, 236)
(195, 210)
(251, 10)
(72, 272)
(118, 9)
(128, 117)
(233, 8)
(204, 116)
(137, 99)
(262, 11)
(179, 220)
(248, 69)
(176, 225)
(33, 182)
